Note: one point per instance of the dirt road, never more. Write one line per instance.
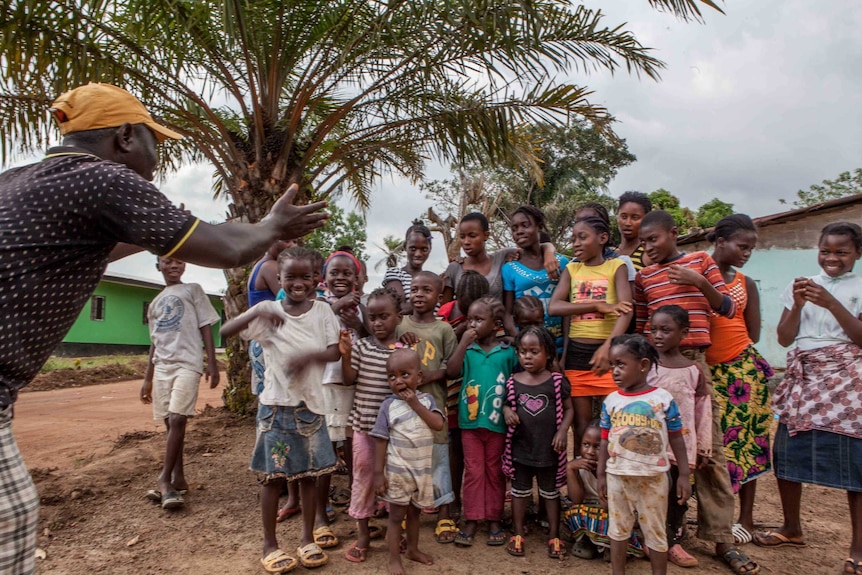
(65, 427)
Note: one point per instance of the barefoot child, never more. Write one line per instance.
(299, 336)
(364, 366)
(434, 341)
(403, 460)
(638, 422)
(538, 410)
(686, 383)
(485, 364)
(179, 318)
(587, 519)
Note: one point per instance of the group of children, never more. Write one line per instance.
(457, 393)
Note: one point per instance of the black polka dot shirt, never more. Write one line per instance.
(59, 220)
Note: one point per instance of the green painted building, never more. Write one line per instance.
(114, 321)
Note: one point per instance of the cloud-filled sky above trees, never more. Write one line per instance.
(753, 106)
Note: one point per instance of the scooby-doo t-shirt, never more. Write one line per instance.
(537, 410)
(636, 427)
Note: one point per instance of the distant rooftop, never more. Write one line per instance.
(130, 280)
(780, 218)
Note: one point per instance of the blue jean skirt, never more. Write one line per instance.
(292, 443)
(818, 457)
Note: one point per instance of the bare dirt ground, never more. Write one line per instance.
(94, 451)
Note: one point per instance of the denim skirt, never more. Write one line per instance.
(292, 443)
(818, 457)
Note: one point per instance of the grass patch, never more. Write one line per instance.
(54, 363)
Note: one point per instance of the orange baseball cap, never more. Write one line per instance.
(96, 106)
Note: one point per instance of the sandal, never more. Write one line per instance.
(443, 529)
(271, 561)
(464, 539)
(556, 549)
(852, 567)
(375, 531)
(739, 561)
(680, 557)
(324, 537)
(307, 554)
(775, 539)
(380, 511)
(286, 513)
(355, 553)
(515, 546)
(340, 498)
(496, 538)
(584, 548)
(741, 535)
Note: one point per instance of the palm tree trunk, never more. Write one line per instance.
(237, 394)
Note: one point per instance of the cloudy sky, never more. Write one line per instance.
(754, 105)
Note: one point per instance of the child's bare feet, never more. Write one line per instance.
(395, 566)
(419, 557)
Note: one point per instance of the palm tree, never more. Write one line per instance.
(326, 93)
(392, 249)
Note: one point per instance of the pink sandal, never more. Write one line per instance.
(680, 557)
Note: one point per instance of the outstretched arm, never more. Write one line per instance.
(234, 244)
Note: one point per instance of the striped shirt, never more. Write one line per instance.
(653, 290)
(372, 386)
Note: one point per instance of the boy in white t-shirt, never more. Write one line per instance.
(179, 318)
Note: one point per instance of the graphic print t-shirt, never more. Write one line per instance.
(591, 284)
(176, 317)
(536, 409)
(636, 427)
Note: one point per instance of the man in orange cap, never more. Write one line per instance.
(62, 220)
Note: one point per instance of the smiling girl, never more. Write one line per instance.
(819, 438)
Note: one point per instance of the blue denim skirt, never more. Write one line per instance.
(292, 443)
(818, 457)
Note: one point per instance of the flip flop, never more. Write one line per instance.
(496, 538)
(286, 513)
(775, 539)
(852, 567)
(172, 500)
(355, 553)
(741, 536)
(271, 561)
(463, 539)
(153, 495)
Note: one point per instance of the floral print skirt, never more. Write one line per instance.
(746, 417)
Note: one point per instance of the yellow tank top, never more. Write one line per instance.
(593, 283)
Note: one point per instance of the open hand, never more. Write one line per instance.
(293, 222)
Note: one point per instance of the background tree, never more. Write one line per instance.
(342, 229)
(709, 213)
(664, 200)
(846, 184)
(393, 251)
(329, 95)
(577, 162)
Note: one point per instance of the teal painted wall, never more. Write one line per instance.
(124, 317)
(773, 270)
